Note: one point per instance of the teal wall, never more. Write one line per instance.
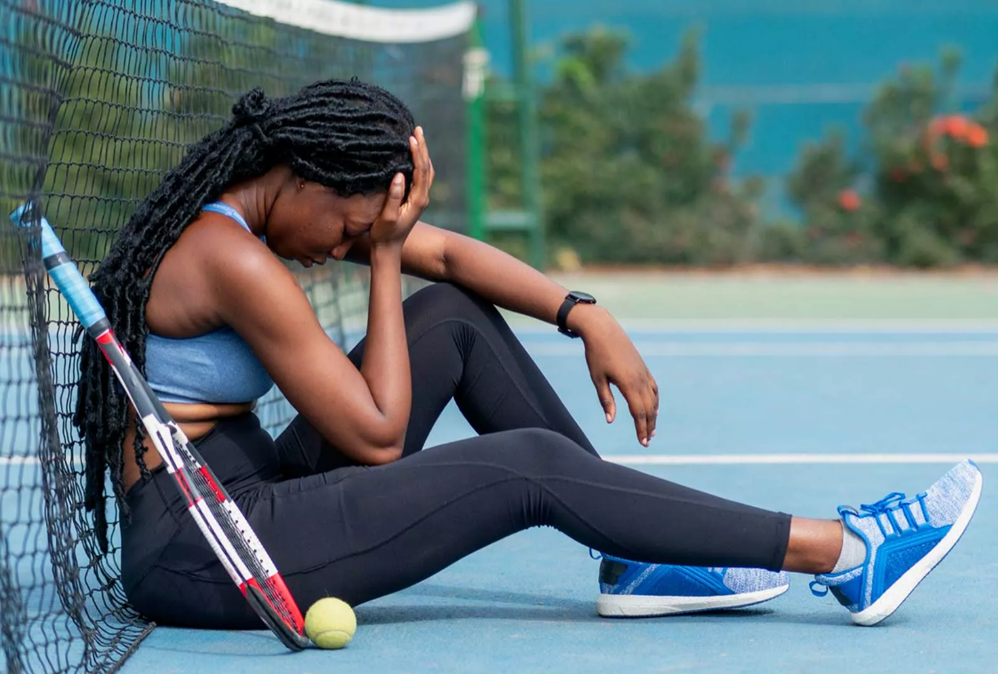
(801, 66)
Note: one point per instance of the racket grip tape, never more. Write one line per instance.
(64, 272)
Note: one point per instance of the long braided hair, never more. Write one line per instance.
(346, 135)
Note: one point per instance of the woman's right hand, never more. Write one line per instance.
(397, 219)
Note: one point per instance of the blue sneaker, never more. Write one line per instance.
(635, 589)
(905, 539)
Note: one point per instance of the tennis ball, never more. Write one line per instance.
(330, 623)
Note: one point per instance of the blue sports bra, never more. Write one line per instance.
(217, 367)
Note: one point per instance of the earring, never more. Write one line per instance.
(301, 184)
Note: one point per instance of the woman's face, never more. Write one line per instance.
(310, 223)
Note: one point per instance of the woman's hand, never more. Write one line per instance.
(613, 359)
(397, 219)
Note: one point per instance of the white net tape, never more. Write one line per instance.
(370, 24)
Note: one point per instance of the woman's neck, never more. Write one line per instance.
(254, 198)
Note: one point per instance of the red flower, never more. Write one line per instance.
(976, 136)
(849, 200)
(956, 126)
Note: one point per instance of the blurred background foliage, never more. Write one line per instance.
(631, 175)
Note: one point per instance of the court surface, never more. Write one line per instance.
(796, 417)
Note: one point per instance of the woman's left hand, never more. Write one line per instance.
(398, 218)
(613, 359)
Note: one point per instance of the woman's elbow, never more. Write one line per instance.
(386, 448)
(380, 456)
(377, 444)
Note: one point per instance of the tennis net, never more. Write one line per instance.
(98, 98)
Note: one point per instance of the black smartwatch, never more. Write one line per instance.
(574, 297)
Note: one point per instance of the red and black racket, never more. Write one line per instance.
(218, 517)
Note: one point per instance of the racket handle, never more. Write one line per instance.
(64, 272)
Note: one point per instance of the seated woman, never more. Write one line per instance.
(347, 500)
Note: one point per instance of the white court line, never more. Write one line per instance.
(32, 461)
(791, 459)
(789, 326)
(529, 328)
(792, 350)
(738, 459)
(19, 461)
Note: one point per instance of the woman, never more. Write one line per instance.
(345, 499)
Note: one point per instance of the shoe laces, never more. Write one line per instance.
(815, 584)
(888, 507)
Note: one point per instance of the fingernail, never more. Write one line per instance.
(415, 140)
(653, 433)
(607, 417)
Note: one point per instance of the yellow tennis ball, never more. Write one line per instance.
(330, 623)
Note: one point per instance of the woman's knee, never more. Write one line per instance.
(539, 451)
(441, 301)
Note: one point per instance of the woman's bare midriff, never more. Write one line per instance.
(195, 420)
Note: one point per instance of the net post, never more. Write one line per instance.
(475, 68)
(528, 137)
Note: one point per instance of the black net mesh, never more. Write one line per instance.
(98, 98)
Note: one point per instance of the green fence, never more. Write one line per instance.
(502, 125)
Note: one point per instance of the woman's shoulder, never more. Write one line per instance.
(214, 270)
(214, 243)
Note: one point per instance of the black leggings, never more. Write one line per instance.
(358, 532)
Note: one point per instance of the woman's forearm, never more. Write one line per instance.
(511, 284)
(385, 365)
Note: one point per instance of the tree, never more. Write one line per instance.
(937, 170)
(628, 172)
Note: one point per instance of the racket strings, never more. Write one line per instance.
(243, 540)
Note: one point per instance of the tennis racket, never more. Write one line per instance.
(223, 525)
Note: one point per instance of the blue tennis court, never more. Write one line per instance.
(784, 417)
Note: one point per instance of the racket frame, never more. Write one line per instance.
(179, 455)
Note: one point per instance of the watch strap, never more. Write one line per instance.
(563, 310)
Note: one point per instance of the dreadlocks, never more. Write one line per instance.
(346, 135)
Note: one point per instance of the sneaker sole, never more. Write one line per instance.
(895, 595)
(645, 606)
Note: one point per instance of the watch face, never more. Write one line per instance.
(580, 296)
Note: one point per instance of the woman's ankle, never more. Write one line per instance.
(815, 545)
